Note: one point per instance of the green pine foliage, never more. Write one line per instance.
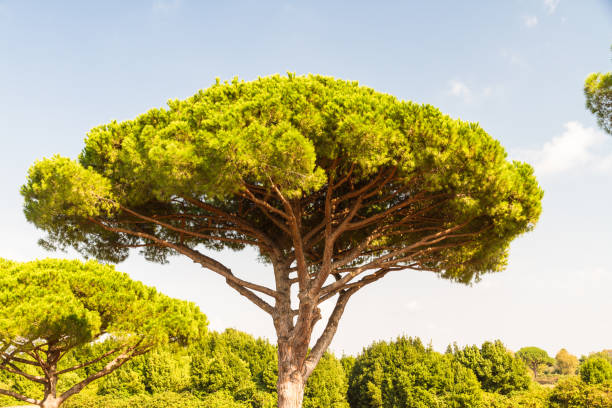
(598, 93)
(285, 133)
(535, 358)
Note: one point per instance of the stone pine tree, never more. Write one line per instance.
(53, 308)
(598, 93)
(334, 184)
(535, 358)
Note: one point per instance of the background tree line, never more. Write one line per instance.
(196, 368)
(235, 370)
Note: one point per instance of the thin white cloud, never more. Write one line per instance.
(460, 89)
(514, 58)
(470, 94)
(530, 21)
(551, 5)
(165, 5)
(578, 147)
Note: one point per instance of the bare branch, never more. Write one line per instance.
(90, 362)
(245, 225)
(249, 195)
(265, 306)
(184, 231)
(20, 397)
(328, 333)
(108, 368)
(9, 357)
(194, 255)
(11, 368)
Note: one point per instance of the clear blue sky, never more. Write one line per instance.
(515, 66)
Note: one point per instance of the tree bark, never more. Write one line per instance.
(534, 368)
(290, 392)
(50, 401)
(291, 382)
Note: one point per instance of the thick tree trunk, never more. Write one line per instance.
(291, 382)
(50, 401)
(290, 392)
(292, 346)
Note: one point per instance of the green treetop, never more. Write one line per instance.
(404, 373)
(334, 184)
(566, 362)
(495, 367)
(52, 308)
(598, 93)
(595, 370)
(534, 357)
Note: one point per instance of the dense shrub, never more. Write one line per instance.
(406, 374)
(218, 371)
(572, 392)
(18, 384)
(495, 367)
(535, 397)
(595, 370)
(129, 380)
(167, 369)
(161, 400)
(327, 385)
(246, 367)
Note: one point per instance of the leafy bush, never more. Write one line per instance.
(495, 367)
(327, 385)
(167, 369)
(595, 370)
(220, 371)
(535, 397)
(574, 393)
(406, 374)
(161, 400)
(128, 380)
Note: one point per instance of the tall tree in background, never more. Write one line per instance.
(52, 308)
(334, 184)
(598, 92)
(535, 358)
(566, 363)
